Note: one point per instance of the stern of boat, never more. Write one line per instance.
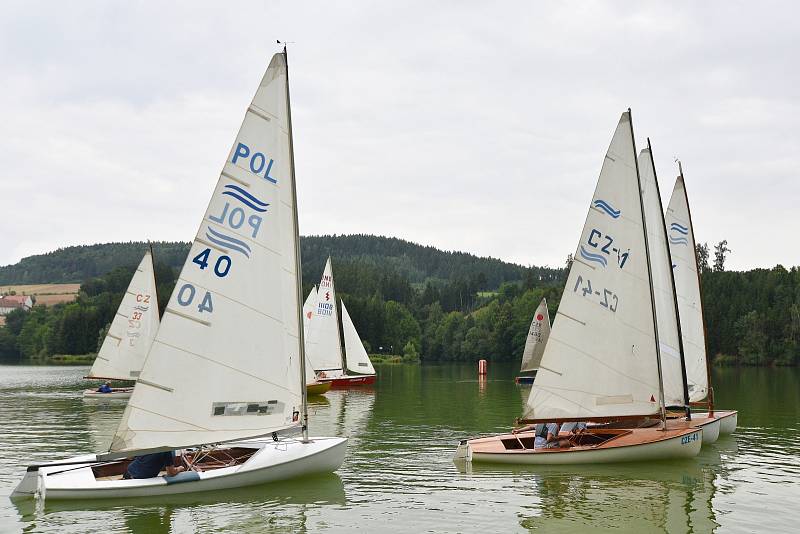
(463, 452)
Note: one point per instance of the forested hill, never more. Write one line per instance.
(412, 262)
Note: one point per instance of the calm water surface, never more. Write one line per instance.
(398, 475)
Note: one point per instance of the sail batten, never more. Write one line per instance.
(226, 360)
(606, 352)
(129, 337)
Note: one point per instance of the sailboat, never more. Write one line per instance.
(671, 344)
(313, 386)
(130, 335)
(683, 248)
(538, 333)
(601, 361)
(223, 385)
(324, 345)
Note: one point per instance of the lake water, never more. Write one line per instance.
(398, 475)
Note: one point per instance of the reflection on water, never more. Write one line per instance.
(398, 474)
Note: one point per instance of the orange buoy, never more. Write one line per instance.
(482, 367)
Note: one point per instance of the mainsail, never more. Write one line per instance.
(538, 333)
(323, 345)
(132, 331)
(687, 285)
(663, 287)
(225, 362)
(600, 360)
(356, 355)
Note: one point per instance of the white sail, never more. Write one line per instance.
(308, 312)
(538, 333)
(323, 346)
(225, 362)
(687, 285)
(661, 270)
(600, 359)
(132, 330)
(356, 355)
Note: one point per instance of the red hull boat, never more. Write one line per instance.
(349, 381)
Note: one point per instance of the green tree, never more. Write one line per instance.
(720, 252)
(752, 339)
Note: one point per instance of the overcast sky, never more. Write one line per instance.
(474, 126)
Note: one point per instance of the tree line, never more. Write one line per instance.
(752, 317)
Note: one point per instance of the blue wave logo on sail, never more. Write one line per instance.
(606, 207)
(229, 242)
(597, 258)
(678, 240)
(141, 308)
(245, 198)
(679, 228)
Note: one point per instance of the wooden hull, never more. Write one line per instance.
(317, 388)
(347, 381)
(116, 393)
(635, 445)
(728, 420)
(273, 461)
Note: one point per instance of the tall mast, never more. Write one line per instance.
(297, 264)
(662, 404)
(674, 291)
(710, 394)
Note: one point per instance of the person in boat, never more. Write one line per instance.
(573, 428)
(105, 388)
(150, 465)
(546, 435)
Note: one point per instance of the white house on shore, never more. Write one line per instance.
(9, 303)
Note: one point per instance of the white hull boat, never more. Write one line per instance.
(728, 420)
(227, 363)
(116, 394)
(636, 445)
(268, 461)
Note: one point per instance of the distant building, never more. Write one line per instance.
(9, 303)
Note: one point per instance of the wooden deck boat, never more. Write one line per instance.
(223, 382)
(682, 246)
(614, 354)
(591, 447)
(245, 463)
